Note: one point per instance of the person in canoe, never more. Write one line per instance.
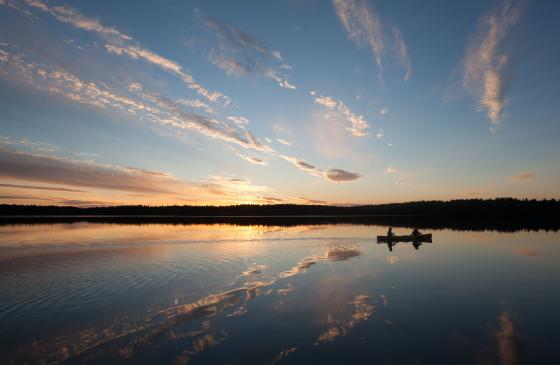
(415, 232)
(390, 233)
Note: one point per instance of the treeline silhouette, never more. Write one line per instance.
(505, 214)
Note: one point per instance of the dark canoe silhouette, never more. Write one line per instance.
(408, 238)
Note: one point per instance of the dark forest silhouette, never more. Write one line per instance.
(505, 214)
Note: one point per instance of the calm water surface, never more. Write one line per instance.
(320, 294)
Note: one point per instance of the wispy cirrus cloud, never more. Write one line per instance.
(230, 66)
(363, 25)
(357, 125)
(251, 159)
(282, 82)
(139, 102)
(132, 98)
(196, 104)
(156, 109)
(302, 165)
(240, 54)
(402, 52)
(59, 81)
(212, 127)
(484, 64)
(119, 43)
(283, 141)
(240, 121)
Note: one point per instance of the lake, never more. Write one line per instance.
(101, 293)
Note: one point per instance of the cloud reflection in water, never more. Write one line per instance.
(126, 338)
(362, 309)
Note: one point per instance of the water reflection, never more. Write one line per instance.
(360, 309)
(508, 340)
(221, 294)
(416, 242)
(124, 338)
(283, 354)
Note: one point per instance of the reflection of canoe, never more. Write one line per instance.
(409, 238)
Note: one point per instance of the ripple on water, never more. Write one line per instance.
(59, 283)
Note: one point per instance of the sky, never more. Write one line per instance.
(295, 101)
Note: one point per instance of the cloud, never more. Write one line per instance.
(215, 128)
(26, 143)
(333, 175)
(153, 107)
(277, 55)
(74, 18)
(285, 84)
(302, 165)
(196, 104)
(242, 190)
(524, 176)
(402, 52)
(326, 101)
(271, 74)
(230, 65)
(236, 184)
(364, 27)
(119, 43)
(358, 126)
(26, 166)
(484, 64)
(136, 52)
(177, 118)
(362, 24)
(278, 129)
(231, 35)
(35, 187)
(240, 121)
(338, 175)
(251, 159)
(58, 170)
(313, 201)
(283, 141)
(240, 54)
(59, 81)
(58, 200)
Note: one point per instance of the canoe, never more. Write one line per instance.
(427, 237)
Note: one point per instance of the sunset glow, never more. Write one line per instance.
(342, 102)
